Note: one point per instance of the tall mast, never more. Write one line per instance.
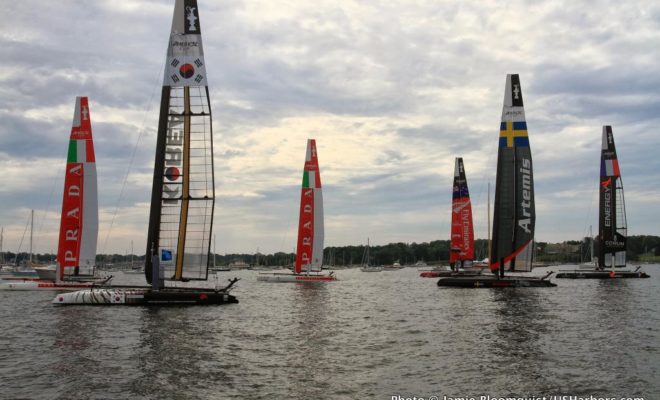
(489, 255)
(309, 251)
(31, 235)
(183, 192)
(514, 216)
(612, 225)
(79, 219)
(591, 241)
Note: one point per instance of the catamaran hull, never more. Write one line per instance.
(295, 278)
(27, 285)
(494, 282)
(144, 297)
(581, 274)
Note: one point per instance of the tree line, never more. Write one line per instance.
(640, 248)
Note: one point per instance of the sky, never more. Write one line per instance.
(392, 91)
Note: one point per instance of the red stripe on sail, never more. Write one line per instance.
(305, 229)
(313, 165)
(462, 232)
(615, 167)
(494, 266)
(68, 250)
(84, 130)
(89, 151)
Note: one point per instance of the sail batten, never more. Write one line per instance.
(514, 211)
(183, 193)
(612, 224)
(462, 230)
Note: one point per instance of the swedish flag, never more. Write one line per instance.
(514, 134)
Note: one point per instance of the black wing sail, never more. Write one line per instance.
(612, 226)
(183, 193)
(514, 213)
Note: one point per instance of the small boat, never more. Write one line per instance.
(612, 223)
(514, 213)
(371, 268)
(309, 252)
(183, 190)
(394, 267)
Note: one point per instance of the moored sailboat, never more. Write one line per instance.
(183, 191)
(366, 261)
(76, 251)
(514, 211)
(309, 251)
(612, 224)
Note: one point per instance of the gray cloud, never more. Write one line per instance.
(393, 91)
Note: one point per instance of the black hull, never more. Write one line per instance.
(577, 274)
(183, 298)
(494, 282)
(441, 274)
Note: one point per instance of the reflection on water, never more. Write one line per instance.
(522, 319)
(365, 336)
(307, 347)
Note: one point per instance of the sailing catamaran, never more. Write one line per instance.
(514, 214)
(183, 192)
(309, 252)
(76, 251)
(612, 226)
(461, 253)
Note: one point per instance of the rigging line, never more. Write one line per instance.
(130, 164)
(21, 242)
(43, 217)
(594, 184)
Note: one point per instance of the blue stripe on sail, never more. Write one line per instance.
(460, 194)
(519, 125)
(503, 142)
(521, 141)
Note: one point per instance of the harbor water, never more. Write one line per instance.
(367, 336)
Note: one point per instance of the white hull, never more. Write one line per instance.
(289, 277)
(98, 296)
(145, 297)
(42, 285)
(371, 269)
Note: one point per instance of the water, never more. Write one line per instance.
(370, 335)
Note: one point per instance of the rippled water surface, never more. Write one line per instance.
(370, 335)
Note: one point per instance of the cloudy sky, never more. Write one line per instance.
(391, 90)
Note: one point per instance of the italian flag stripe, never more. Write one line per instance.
(80, 151)
(305, 183)
(73, 146)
